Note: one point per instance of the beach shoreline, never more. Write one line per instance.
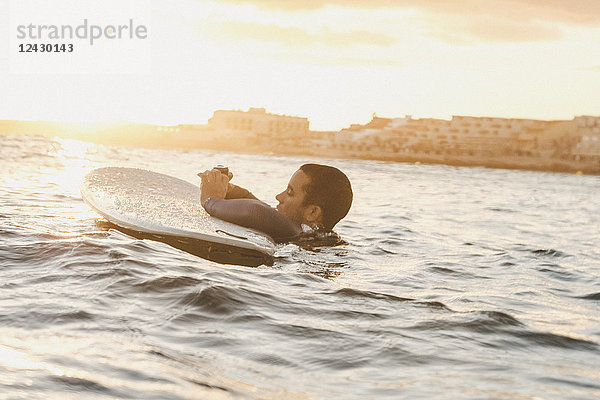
(146, 136)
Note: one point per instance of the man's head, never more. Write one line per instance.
(316, 195)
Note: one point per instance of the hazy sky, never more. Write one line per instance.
(336, 62)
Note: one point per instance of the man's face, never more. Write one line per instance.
(292, 198)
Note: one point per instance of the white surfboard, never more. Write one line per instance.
(151, 205)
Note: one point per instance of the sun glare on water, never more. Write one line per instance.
(75, 161)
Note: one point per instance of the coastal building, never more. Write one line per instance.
(257, 122)
(482, 136)
(588, 133)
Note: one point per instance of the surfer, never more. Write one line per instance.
(317, 197)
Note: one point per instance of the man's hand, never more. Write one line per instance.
(214, 185)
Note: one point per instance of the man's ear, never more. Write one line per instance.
(313, 214)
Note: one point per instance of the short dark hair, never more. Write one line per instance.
(330, 189)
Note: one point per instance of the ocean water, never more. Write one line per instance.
(455, 283)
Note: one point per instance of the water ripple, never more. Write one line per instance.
(447, 283)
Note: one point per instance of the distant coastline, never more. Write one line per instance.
(554, 146)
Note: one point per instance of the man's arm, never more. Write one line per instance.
(236, 192)
(215, 181)
(248, 212)
(254, 214)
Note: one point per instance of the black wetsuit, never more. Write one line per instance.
(242, 208)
